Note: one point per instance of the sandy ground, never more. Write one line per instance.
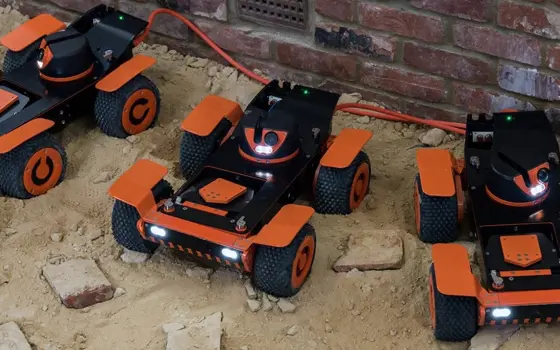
(379, 310)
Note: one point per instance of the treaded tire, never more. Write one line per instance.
(272, 272)
(109, 107)
(13, 164)
(334, 186)
(455, 317)
(125, 217)
(196, 149)
(438, 217)
(13, 60)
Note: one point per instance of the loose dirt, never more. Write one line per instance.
(374, 310)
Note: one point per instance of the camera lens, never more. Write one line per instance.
(271, 138)
(542, 175)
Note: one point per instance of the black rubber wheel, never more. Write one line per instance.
(455, 318)
(437, 216)
(273, 267)
(33, 168)
(125, 217)
(130, 110)
(13, 60)
(334, 187)
(196, 149)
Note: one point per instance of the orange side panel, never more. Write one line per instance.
(7, 100)
(23, 133)
(122, 75)
(207, 115)
(345, 148)
(453, 270)
(282, 229)
(134, 187)
(31, 31)
(436, 171)
(521, 250)
(221, 191)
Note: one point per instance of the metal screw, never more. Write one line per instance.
(473, 188)
(511, 278)
(515, 228)
(178, 200)
(475, 162)
(108, 55)
(487, 253)
(168, 204)
(232, 221)
(554, 250)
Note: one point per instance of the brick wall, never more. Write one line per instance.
(431, 58)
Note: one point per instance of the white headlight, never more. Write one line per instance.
(538, 189)
(158, 231)
(229, 253)
(40, 64)
(501, 312)
(263, 174)
(263, 149)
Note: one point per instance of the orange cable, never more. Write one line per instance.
(354, 108)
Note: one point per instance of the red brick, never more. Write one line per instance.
(175, 5)
(216, 9)
(403, 82)
(480, 100)
(529, 82)
(276, 71)
(342, 10)
(430, 112)
(530, 19)
(447, 64)
(487, 40)
(324, 63)
(356, 41)
(387, 101)
(82, 5)
(553, 57)
(235, 39)
(33, 9)
(476, 10)
(405, 23)
(162, 24)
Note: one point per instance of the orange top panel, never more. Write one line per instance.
(7, 100)
(453, 270)
(345, 148)
(122, 75)
(23, 133)
(521, 250)
(207, 115)
(30, 31)
(436, 171)
(282, 229)
(221, 191)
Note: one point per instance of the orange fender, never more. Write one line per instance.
(436, 171)
(283, 227)
(23, 133)
(209, 113)
(453, 270)
(134, 187)
(345, 148)
(126, 72)
(31, 31)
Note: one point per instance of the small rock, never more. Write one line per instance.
(45, 308)
(328, 328)
(378, 250)
(119, 292)
(244, 347)
(126, 149)
(199, 272)
(208, 84)
(370, 202)
(205, 333)
(94, 233)
(446, 139)
(408, 134)
(254, 305)
(216, 88)
(251, 293)
(102, 177)
(292, 330)
(366, 288)
(398, 127)
(132, 257)
(350, 98)
(363, 119)
(3, 279)
(57, 237)
(227, 71)
(267, 304)
(355, 273)
(172, 327)
(132, 139)
(286, 306)
(433, 137)
(9, 231)
(492, 338)
(212, 71)
(78, 283)
(452, 137)
(393, 332)
(272, 298)
(199, 63)
(12, 338)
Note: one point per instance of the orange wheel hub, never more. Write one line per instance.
(359, 186)
(139, 111)
(303, 261)
(42, 171)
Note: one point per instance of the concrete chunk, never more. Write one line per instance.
(12, 338)
(78, 283)
(205, 334)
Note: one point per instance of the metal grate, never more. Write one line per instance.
(289, 13)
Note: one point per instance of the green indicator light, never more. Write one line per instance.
(509, 118)
(306, 92)
(121, 17)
